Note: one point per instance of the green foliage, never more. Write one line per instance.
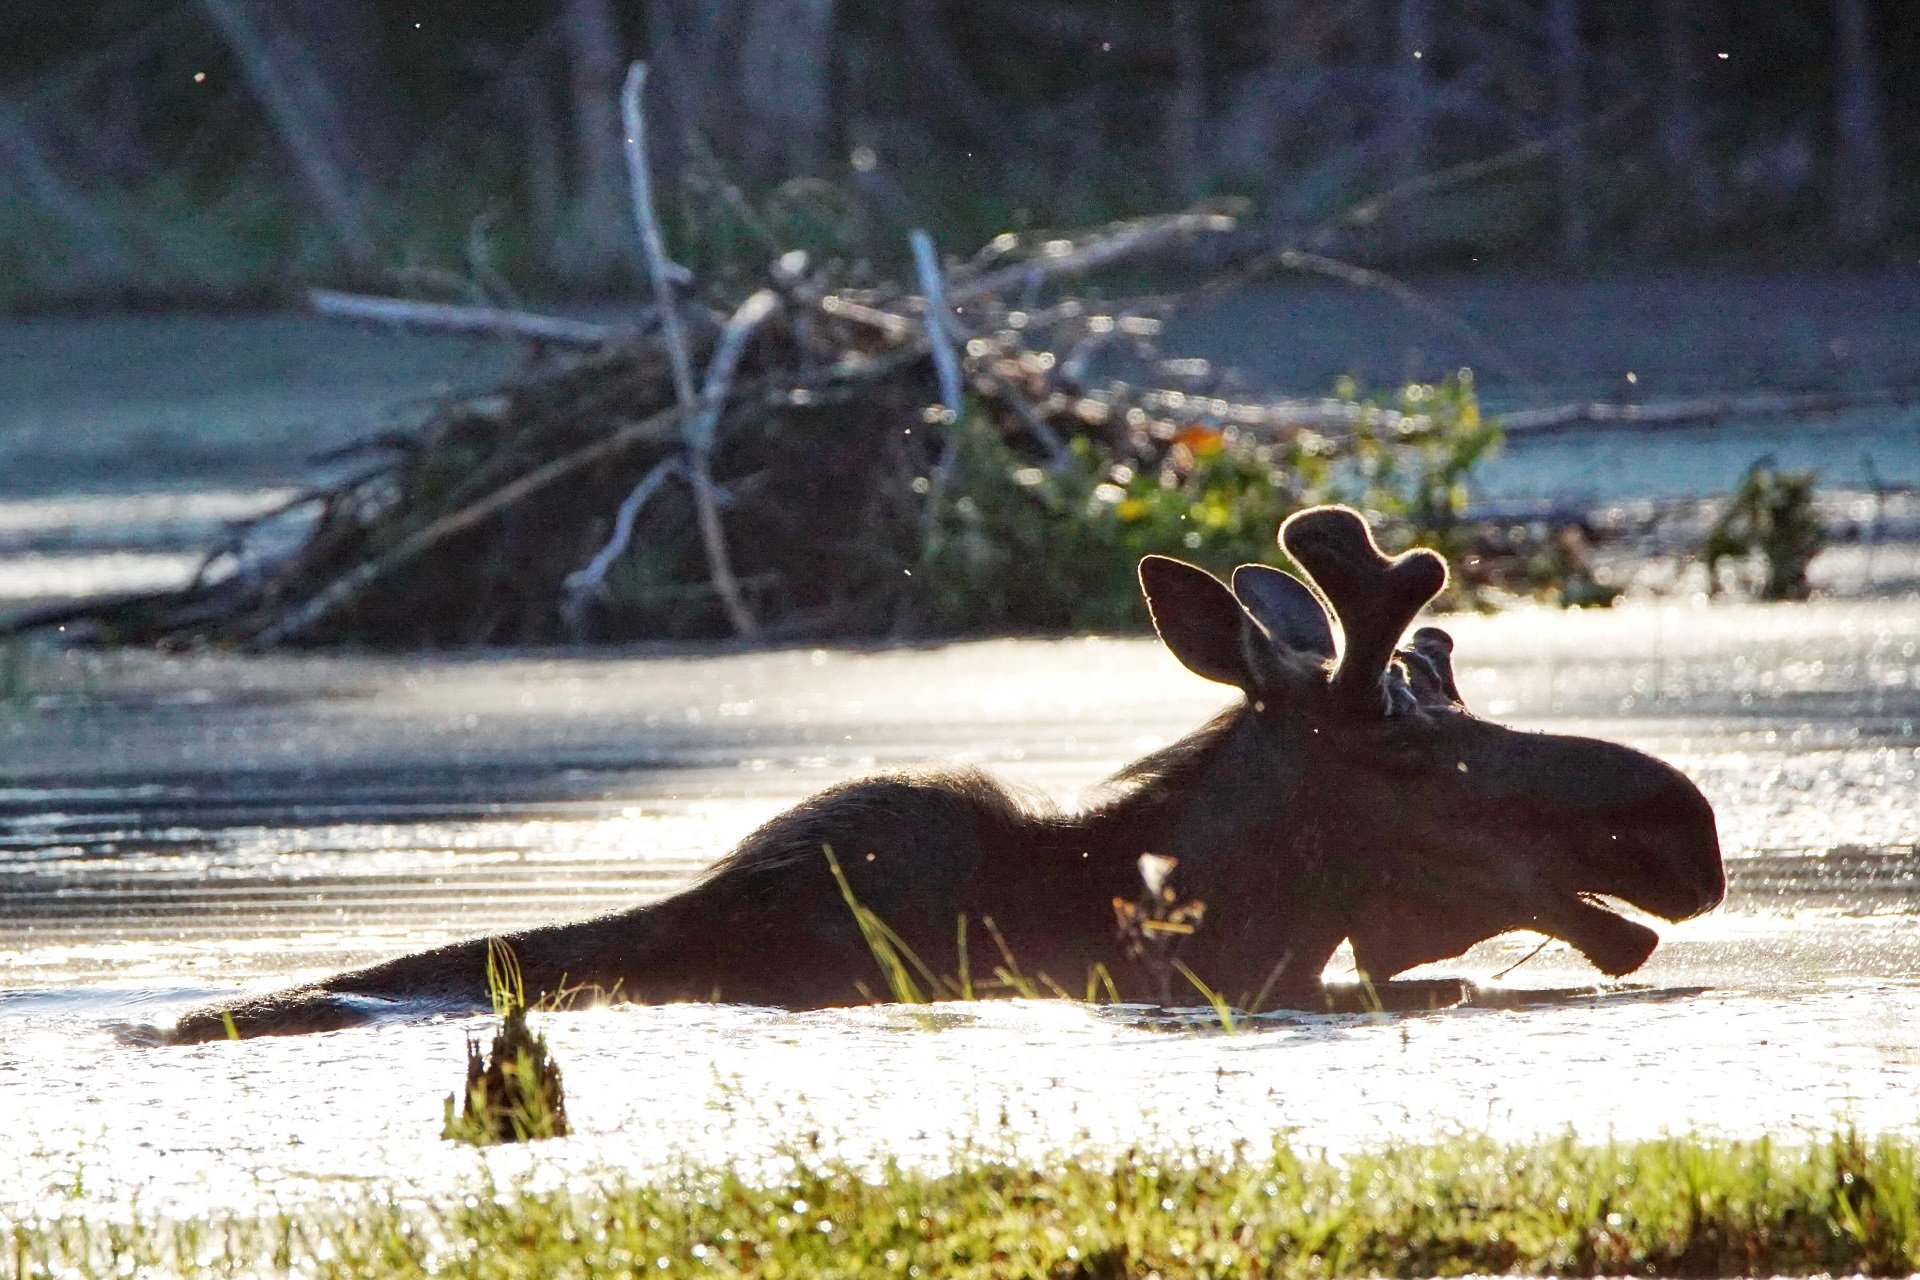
(513, 1094)
(1771, 516)
(1018, 546)
(902, 968)
(1840, 1204)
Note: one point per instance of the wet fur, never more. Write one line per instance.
(767, 924)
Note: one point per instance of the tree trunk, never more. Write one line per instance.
(785, 81)
(602, 242)
(541, 148)
(1412, 89)
(1860, 198)
(101, 246)
(1186, 106)
(342, 41)
(1682, 134)
(1570, 96)
(752, 79)
(305, 115)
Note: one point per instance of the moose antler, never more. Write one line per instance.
(1372, 596)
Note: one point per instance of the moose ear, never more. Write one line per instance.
(1198, 618)
(1433, 648)
(1286, 607)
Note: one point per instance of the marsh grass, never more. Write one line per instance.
(513, 1093)
(1844, 1203)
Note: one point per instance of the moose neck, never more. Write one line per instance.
(1225, 802)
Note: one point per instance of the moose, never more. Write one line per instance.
(1347, 794)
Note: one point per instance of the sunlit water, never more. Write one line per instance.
(174, 828)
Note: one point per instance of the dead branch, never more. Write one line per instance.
(590, 580)
(641, 181)
(345, 588)
(699, 432)
(1065, 258)
(448, 317)
(938, 320)
(1412, 299)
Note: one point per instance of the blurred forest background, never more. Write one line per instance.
(158, 151)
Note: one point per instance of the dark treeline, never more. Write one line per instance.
(231, 148)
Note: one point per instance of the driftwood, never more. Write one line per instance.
(480, 322)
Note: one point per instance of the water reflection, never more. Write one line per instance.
(157, 848)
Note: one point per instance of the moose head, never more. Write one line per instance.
(1440, 828)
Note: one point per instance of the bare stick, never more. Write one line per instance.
(591, 580)
(448, 317)
(1423, 185)
(939, 325)
(899, 328)
(1361, 277)
(1149, 236)
(650, 241)
(1058, 455)
(740, 326)
(344, 588)
(699, 434)
(938, 320)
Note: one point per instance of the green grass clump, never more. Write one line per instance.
(513, 1093)
(1676, 1206)
(1770, 518)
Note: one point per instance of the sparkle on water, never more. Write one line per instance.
(173, 827)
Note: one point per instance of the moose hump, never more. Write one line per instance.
(1346, 793)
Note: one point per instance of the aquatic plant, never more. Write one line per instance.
(1770, 515)
(1023, 546)
(513, 1093)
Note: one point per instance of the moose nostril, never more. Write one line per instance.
(1713, 882)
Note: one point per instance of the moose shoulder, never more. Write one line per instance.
(1348, 794)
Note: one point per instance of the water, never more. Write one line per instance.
(175, 828)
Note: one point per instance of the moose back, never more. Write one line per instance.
(1346, 794)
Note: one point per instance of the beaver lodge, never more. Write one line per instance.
(791, 463)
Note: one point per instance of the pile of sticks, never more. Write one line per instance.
(769, 466)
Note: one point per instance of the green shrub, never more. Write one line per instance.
(1018, 547)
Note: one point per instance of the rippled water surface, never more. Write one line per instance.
(174, 828)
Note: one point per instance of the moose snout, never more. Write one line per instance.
(1626, 825)
(1671, 844)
